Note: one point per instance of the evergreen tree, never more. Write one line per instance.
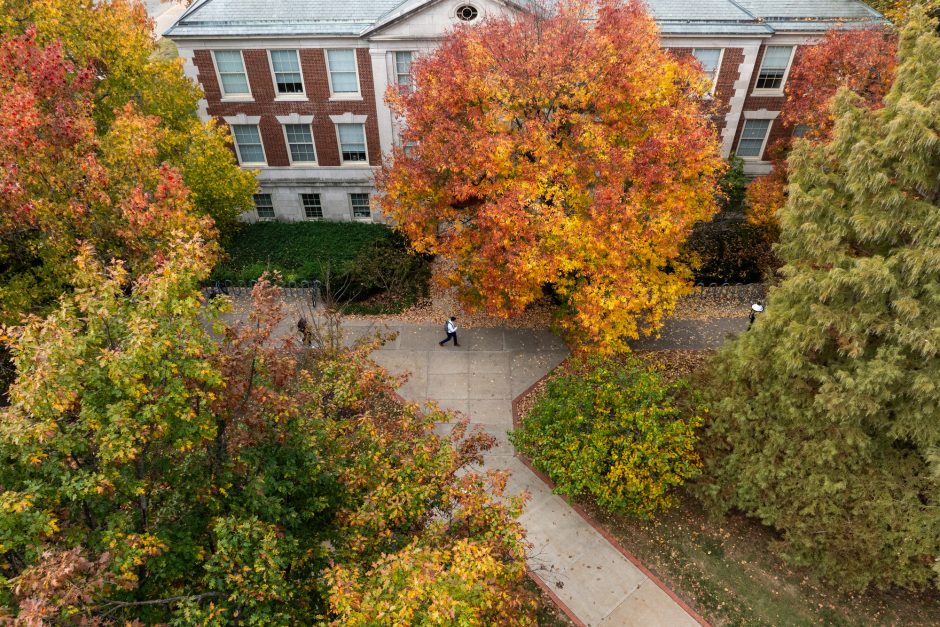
(827, 413)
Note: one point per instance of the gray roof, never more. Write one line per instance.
(286, 18)
(280, 17)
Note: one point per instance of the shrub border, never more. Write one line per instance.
(516, 423)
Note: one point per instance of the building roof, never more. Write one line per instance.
(290, 18)
(280, 17)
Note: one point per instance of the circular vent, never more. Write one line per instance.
(467, 13)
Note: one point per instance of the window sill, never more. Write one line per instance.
(768, 93)
(237, 99)
(341, 98)
(253, 165)
(291, 98)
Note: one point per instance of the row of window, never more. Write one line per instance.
(773, 68)
(342, 73)
(313, 209)
(351, 139)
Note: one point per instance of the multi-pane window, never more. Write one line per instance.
(403, 70)
(300, 142)
(352, 141)
(774, 66)
(248, 143)
(312, 208)
(286, 66)
(709, 59)
(360, 205)
(264, 206)
(800, 130)
(752, 139)
(231, 68)
(343, 77)
(409, 147)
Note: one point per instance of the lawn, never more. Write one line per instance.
(726, 571)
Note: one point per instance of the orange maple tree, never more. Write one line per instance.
(861, 60)
(563, 150)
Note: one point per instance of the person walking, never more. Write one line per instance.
(450, 327)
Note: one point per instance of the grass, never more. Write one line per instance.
(725, 570)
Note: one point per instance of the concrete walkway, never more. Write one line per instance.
(691, 335)
(590, 576)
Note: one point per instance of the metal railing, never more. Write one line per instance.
(308, 291)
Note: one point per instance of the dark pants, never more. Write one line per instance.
(450, 336)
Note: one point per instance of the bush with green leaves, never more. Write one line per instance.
(612, 429)
(370, 267)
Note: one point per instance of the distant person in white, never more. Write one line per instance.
(450, 327)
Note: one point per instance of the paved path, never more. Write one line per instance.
(691, 334)
(598, 584)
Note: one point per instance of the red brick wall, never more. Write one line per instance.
(316, 84)
(771, 103)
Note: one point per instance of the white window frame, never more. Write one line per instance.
(396, 74)
(303, 84)
(218, 78)
(254, 199)
(786, 72)
(768, 116)
(721, 58)
(352, 210)
(351, 119)
(313, 142)
(329, 76)
(303, 208)
(238, 149)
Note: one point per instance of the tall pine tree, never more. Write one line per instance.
(827, 413)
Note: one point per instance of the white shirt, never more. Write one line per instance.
(451, 326)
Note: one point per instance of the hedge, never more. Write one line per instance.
(298, 250)
(371, 264)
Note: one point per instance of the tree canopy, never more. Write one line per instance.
(159, 470)
(95, 125)
(545, 152)
(826, 423)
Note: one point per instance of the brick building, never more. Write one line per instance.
(301, 82)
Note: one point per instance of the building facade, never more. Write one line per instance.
(301, 83)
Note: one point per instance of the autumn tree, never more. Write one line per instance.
(862, 60)
(157, 470)
(898, 10)
(66, 183)
(551, 151)
(113, 39)
(826, 424)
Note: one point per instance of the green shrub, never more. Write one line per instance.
(370, 267)
(612, 429)
(299, 250)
